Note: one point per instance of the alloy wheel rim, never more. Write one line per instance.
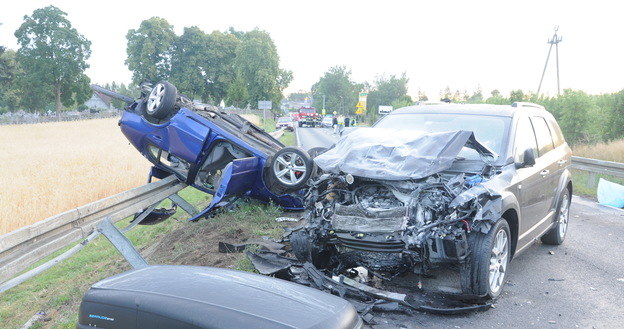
(564, 211)
(155, 98)
(498, 261)
(289, 168)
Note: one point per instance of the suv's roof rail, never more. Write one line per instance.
(527, 104)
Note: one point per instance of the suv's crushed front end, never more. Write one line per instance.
(398, 204)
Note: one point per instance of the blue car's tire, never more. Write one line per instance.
(290, 168)
(161, 100)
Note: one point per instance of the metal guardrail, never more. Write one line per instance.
(24, 247)
(595, 166)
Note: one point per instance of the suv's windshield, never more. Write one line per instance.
(488, 130)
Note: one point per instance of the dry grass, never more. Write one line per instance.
(611, 151)
(53, 167)
(253, 118)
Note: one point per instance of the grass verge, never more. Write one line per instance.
(581, 177)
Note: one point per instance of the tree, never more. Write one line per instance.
(53, 55)
(476, 97)
(257, 69)
(496, 98)
(572, 110)
(149, 50)
(516, 96)
(341, 93)
(387, 90)
(189, 63)
(221, 54)
(422, 96)
(10, 71)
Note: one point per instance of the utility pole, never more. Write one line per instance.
(323, 101)
(553, 41)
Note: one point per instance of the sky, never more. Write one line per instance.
(464, 45)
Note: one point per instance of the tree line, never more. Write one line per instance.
(239, 68)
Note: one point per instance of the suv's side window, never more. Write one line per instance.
(555, 131)
(544, 139)
(525, 139)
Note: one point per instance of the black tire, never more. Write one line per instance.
(161, 100)
(475, 273)
(557, 234)
(291, 168)
(301, 246)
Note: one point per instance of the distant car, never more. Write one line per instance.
(193, 297)
(216, 152)
(285, 122)
(327, 121)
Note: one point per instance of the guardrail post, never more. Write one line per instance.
(591, 180)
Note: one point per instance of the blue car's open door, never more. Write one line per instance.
(236, 179)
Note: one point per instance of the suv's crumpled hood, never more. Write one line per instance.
(393, 154)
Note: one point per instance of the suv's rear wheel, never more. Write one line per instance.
(484, 272)
(557, 234)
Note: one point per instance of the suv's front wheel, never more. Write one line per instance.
(484, 272)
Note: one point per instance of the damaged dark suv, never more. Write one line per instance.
(466, 187)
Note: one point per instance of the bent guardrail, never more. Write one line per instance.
(24, 247)
(595, 166)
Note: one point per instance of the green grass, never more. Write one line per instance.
(59, 290)
(269, 125)
(580, 178)
(288, 138)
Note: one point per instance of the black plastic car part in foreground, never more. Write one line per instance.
(204, 297)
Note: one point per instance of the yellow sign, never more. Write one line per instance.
(360, 105)
(323, 111)
(360, 111)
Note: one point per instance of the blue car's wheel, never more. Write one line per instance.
(291, 168)
(161, 100)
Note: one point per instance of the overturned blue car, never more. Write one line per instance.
(220, 153)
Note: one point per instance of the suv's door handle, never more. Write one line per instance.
(545, 172)
(561, 162)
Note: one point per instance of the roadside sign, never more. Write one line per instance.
(361, 105)
(323, 111)
(385, 109)
(265, 105)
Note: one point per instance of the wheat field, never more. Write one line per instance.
(609, 151)
(49, 168)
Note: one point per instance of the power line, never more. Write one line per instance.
(553, 41)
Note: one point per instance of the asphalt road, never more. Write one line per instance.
(579, 284)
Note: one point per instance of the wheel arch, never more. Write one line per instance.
(511, 216)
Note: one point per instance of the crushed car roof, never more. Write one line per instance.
(395, 154)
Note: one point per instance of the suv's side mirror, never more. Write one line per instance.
(529, 159)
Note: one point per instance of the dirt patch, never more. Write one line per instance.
(197, 243)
